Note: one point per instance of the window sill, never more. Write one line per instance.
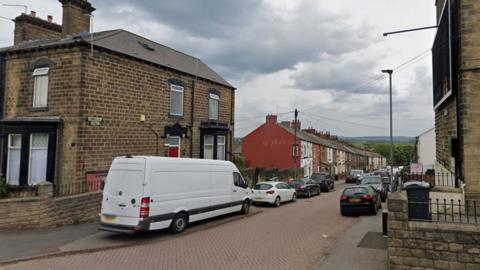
(39, 109)
(176, 116)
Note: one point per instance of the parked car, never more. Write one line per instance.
(353, 176)
(149, 193)
(378, 184)
(306, 187)
(360, 199)
(325, 181)
(273, 193)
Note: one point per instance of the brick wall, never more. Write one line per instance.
(470, 97)
(63, 98)
(446, 129)
(119, 90)
(116, 89)
(45, 211)
(427, 245)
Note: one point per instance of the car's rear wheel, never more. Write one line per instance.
(343, 212)
(294, 197)
(179, 223)
(374, 209)
(276, 203)
(309, 194)
(245, 207)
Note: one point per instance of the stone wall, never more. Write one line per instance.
(46, 211)
(429, 245)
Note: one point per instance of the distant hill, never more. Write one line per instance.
(378, 139)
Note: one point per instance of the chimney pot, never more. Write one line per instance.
(33, 13)
(50, 18)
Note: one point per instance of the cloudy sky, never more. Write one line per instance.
(322, 57)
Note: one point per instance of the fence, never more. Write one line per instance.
(446, 211)
(437, 179)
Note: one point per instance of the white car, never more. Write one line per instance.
(273, 192)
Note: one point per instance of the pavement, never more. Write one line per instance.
(362, 247)
(307, 234)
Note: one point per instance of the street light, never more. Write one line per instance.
(389, 72)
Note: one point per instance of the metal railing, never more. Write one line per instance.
(75, 188)
(446, 211)
(437, 179)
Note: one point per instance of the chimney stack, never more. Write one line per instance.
(50, 18)
(296, 124)
(33, 13)
(76, 16)
(271, 119)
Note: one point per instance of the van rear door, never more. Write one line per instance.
(123, 191)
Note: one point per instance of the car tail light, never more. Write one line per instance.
(343, 198)
(145, 207)
(270, 191)
(367, 197)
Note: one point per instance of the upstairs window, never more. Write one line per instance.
(40, 87)
(176, 100)
(213, 106)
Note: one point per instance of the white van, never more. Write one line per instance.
(144, 193)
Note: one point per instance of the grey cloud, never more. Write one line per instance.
(239, 37)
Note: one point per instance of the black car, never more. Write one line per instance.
(378, 184)
(305, 187)
(324, 180)
(360, 199)
(354, 176)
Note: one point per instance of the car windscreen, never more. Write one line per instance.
(355, 191)
(262, 186)
(371, 180)
(318, 177)
(297, 182)
(355, 172)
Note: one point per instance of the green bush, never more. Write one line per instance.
(3, 188)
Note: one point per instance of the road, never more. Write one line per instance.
(293, 236)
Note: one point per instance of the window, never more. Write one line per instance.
(13, 159)
(213, 106)
(38, 158)
(221, 147)
(237, 179)
(40, 87)
(176, 100)
(208, 147)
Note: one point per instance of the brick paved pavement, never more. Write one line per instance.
(294, 236)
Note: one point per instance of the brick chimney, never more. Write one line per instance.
(296, 123)
(31, 27)
(271, 119)
(76, 16)
(311, 130)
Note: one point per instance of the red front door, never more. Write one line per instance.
(173, 151)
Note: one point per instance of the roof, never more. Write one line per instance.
(308, 137)
(133, 45)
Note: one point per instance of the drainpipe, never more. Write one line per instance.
(458, 160)
(192, 106)
(232, 121)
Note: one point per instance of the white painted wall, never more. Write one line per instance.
(426, 149)
(307, 158)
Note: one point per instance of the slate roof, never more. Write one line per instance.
(124, 42)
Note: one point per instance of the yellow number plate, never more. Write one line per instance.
(355, 200)
(109, 217)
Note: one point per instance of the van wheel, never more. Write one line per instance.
(245, 207)
(179, 223)
(277, 202)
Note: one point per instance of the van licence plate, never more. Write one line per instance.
(109, 217)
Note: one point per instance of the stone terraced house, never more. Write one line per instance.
(72, 100)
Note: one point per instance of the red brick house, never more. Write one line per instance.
(72, 100)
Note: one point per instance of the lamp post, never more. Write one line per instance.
(389, 72)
